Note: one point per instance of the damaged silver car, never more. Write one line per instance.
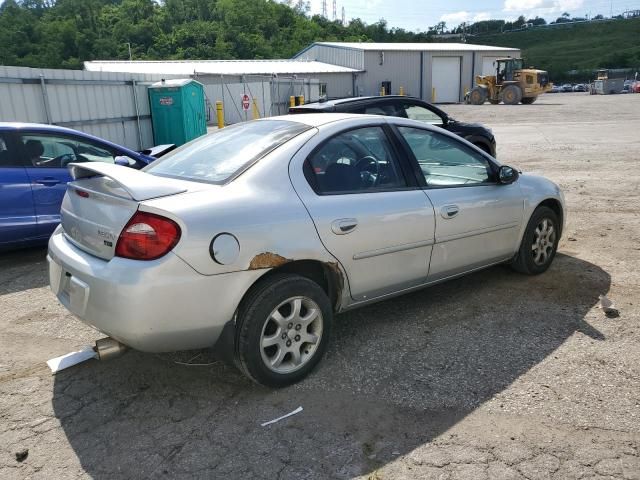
(253, 238)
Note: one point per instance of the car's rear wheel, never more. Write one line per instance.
(539, 243)
(283, 330)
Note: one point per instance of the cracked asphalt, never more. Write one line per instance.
(491, 376)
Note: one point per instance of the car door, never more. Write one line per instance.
(368, 212)
(46, 159)
(17, 214)
(477, 219)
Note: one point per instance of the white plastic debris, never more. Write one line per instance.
(608, 307)
(71, 359)
(297, 410)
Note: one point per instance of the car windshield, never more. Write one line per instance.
(217, 157)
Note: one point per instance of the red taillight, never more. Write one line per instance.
(82, 193)
(147, 236)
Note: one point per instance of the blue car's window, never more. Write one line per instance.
(8, 157)
(53, 151)
(219, 156)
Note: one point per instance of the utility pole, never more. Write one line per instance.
(129, 45)
(344, 18)
(335, 15)
(324, 8)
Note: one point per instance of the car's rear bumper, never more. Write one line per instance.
(154, 306)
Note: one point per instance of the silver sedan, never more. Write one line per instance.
(251, 239)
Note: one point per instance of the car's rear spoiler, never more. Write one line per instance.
(159, 150)
(139, 185)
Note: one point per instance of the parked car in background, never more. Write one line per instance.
(34, 176)
(252, 238)
(556, 89)
(406, 107)
(631, 86)
(567, 87)
(580, 87)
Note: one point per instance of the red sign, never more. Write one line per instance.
(245, 102)
(166, 101)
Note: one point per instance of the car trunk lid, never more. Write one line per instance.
(102, 199)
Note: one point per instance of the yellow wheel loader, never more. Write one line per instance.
(512, 84)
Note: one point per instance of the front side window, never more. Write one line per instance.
(50, 151)
(217, 157)
(445, 162)
(356, 161)
(422, 114)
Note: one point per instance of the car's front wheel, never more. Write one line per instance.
(539, 243)
(283, 330)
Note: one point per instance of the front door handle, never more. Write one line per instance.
(449, 211)
(48, 181)
(343, 226)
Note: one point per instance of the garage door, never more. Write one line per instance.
(488, 68)
(445, 79)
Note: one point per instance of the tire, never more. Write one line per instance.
(258, 323)
(477, 96)
(511, 95)
(533, 257)
(528, 100)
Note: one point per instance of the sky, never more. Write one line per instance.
(421, 14)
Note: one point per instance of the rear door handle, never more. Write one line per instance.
(342, 226)
(48, 181)
(449, 211)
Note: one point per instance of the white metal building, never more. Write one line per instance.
(337, 78)
(438, 72)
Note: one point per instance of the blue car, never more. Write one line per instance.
(34, 176)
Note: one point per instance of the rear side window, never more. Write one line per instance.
(217, 157)
(8, 156)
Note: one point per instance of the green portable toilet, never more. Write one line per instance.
(178, 111)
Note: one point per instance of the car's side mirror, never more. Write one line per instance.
(124, 161)
(507, 175)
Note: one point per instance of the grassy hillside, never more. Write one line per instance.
(588, 46)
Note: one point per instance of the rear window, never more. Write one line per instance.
(220, 156)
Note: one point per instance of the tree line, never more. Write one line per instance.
(64, 33)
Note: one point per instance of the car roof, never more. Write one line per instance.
(319, 119)
(342, 101)
(37, 126)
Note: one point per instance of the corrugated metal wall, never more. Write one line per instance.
(99, 103)
(345, 57)
(402, 69)
(338, 85)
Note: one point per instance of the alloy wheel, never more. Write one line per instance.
(544, 239)
(291, 335)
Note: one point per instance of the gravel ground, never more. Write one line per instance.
(494, 375)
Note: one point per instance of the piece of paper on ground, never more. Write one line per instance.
(297, 410)
(71, 359)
